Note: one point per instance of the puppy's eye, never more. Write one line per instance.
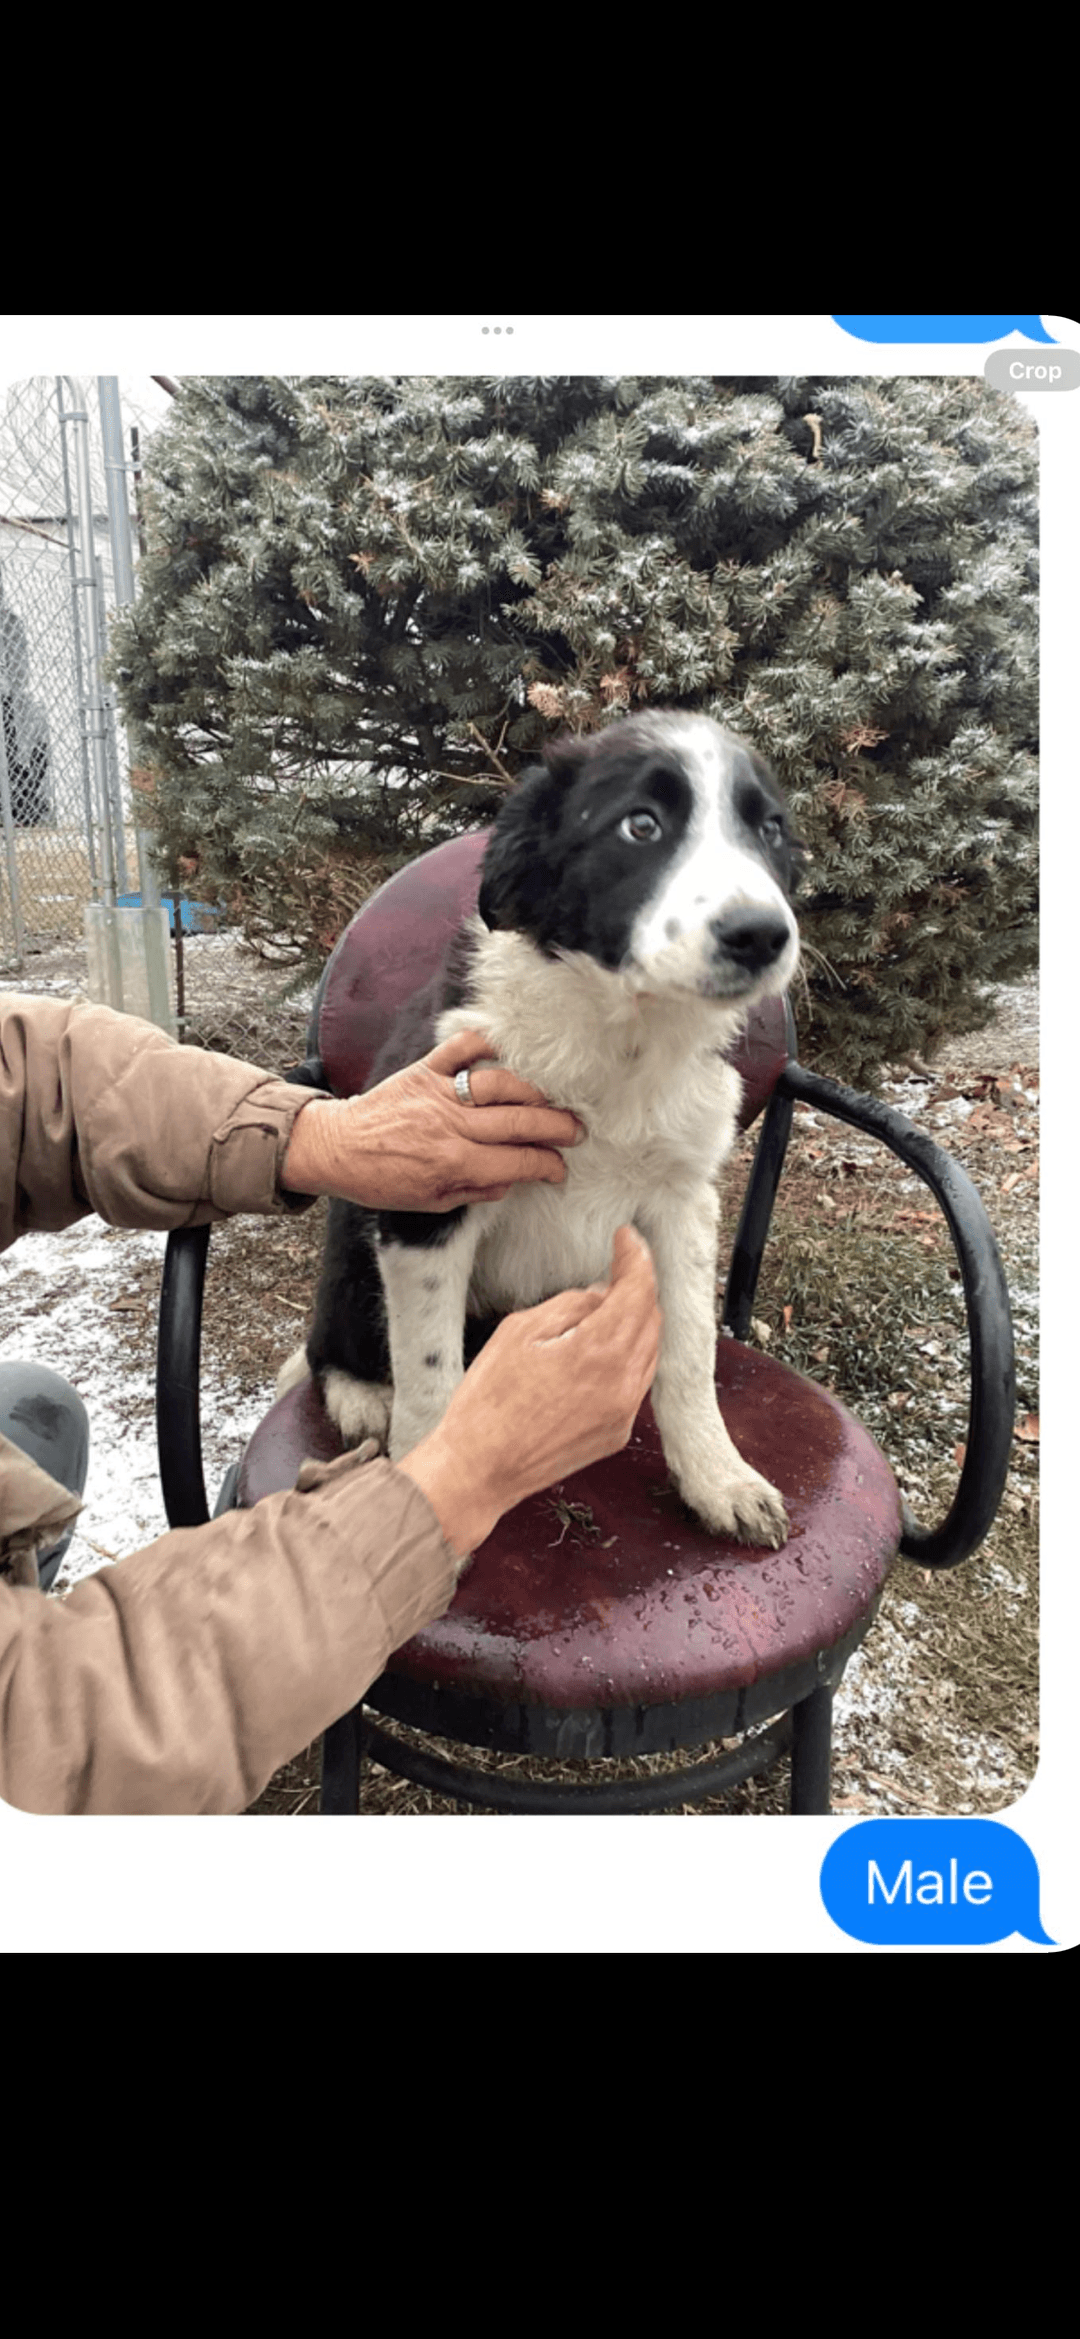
(640, 828)
(772, 829)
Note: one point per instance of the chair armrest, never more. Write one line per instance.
(993, 1369)
(179, 1332)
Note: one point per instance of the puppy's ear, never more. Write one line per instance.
(516, 877)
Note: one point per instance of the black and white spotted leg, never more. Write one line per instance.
(426, 1287)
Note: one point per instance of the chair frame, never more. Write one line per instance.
(806, 1694)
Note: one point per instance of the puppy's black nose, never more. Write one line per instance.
(753, 938)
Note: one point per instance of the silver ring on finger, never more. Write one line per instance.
(463, 1089)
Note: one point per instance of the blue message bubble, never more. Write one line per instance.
(898, 1881)
(943, 328)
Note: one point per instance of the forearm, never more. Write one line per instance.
(312, 1161)
(182, 1678)
(460, 1489)
(102, 1112)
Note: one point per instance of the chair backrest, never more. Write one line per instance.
(396, 943)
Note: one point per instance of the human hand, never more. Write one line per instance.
(555, 1388)
(410, 1144)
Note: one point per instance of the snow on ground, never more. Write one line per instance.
(57, 1296)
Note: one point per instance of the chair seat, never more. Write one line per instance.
(606, 1594)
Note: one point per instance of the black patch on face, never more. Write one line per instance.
(785, 853)
(762, 815)
(562, 867)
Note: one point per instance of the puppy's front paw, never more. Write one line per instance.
(747, 1508)
(358, 1409)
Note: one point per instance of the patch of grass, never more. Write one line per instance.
(874, 1314)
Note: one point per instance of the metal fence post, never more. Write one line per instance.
(10, 855)
(112, 761)
(152, 917)
(84, 759)
(102, 938)
(94, 704)
(62, 836)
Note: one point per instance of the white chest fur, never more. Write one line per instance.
(647, 1078)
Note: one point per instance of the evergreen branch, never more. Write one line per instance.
(392, 515)
(506, 777)
(576, 546)
(807, 950)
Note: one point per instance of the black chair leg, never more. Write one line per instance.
(811, 1753)
(343, 1754)
(756, 1213)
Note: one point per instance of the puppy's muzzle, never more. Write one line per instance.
(749, 939)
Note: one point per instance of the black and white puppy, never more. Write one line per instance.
(633, 906)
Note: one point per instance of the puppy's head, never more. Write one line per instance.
(662, 849)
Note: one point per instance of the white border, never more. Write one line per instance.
(549, 1884)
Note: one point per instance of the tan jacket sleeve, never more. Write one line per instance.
(182, 1678)
(99, 1111)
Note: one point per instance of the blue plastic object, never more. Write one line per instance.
(196, 917)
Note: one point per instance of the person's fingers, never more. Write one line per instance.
(553, 1318)
(632, 1320)
(519, 1164)
(527, 1125)
(629, 1251)
(494, 1085)
(456, 1054)
(638, 1327)
(632, 1287)
(646, 1351)
(481, 1194)
(520, 1124)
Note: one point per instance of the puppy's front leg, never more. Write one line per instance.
(426, 1286)
(704, 1462)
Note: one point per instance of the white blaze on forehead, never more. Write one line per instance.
(713, 870)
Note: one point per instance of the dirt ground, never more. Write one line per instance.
(938, 1711)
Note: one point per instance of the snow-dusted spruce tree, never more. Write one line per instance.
(367, 604)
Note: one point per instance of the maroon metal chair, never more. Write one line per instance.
(617, 1625)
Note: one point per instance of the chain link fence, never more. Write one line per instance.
(67, 832)
(240, 1004)
(67, 836)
